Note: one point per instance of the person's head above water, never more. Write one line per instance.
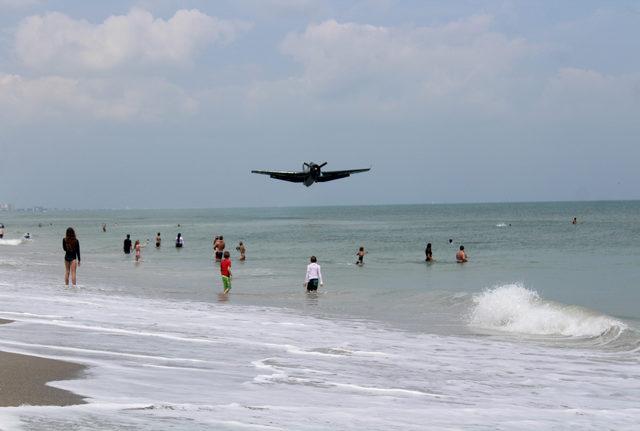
(158, 233)
(462, 247)
(361, 248)
(313, 259)
(128, 236)
(429, 245)
(227, 255)
(450, 240)
(179, 235)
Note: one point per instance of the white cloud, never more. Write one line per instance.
(56, 97)
(57, 41)
(464, 60)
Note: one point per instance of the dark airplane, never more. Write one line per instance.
(311, 173)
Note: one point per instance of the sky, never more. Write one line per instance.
(171, 104)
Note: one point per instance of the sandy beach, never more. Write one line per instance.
(24, 378)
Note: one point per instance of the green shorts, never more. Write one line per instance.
(226, 282)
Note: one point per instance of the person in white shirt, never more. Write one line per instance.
(313, 276)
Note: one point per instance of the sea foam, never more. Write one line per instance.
(10, 241)
(514, 308)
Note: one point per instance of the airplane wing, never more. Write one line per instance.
(335, 175)
(294, 177)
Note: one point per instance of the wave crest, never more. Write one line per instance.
(513, 308)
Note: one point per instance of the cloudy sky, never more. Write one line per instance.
(160, 104)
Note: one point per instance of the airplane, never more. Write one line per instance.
(311, 173)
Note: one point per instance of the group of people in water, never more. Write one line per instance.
(221, 256)
(313, 276)
(461, 255)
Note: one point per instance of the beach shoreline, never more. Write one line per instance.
(24, 380)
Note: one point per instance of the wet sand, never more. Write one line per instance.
(23, 380)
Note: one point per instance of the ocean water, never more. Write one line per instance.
(540, 329)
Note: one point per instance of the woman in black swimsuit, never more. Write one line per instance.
(71, 247)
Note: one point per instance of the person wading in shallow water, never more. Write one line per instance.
(126, 245)
(313, 275)
(428, 253)
(225, 271)
(461, 255)
(71, 247)
(360, 254)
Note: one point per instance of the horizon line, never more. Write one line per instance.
(322, 206)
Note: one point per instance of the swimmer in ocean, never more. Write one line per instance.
(158, 240)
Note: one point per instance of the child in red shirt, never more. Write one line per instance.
(225, 270)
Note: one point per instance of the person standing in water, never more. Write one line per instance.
(179, 241)
(219, 248)
(313, 277)
(428, 253)
(126, 246)
(138, 248)
(242, 249)
(71, 247)
(104, 227)
(1, 231)
(575, 220)
(360, 253)
(225, 271)
(158, 240)
(461, 255)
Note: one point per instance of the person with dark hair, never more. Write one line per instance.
(313, 275)
(428, 253)
(219, 248)
(179, 241)
(242, 249)
(225, 271)
(126, 247)
(461, 255)
(360, 254)
(158, 240)
(71, 247)
(1, 231)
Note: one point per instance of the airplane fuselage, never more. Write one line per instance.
(313, 173)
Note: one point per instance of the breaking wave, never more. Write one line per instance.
(516, 309)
